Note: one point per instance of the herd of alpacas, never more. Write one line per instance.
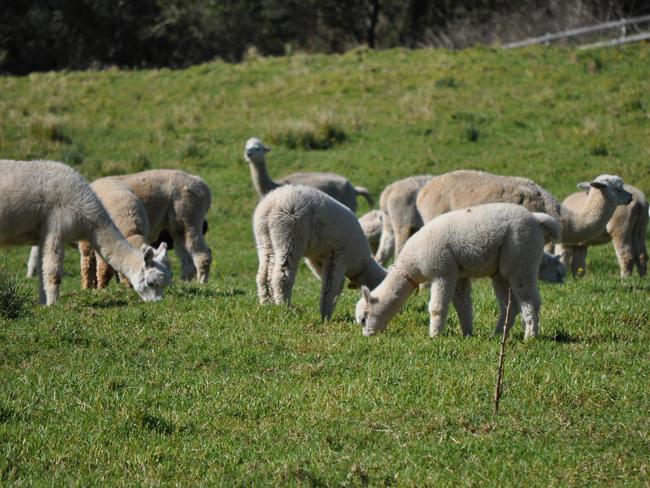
(441, 231)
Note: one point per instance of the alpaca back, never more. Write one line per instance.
(476, 241)
(466, 188)
(302, 210)
(35, 194)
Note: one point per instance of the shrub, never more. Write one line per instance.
(322, 134)
(13, 295)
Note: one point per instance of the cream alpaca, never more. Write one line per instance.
(402, 218)
(178, 202)
(49, 204)
(371, 225)
(499, 240)
(464, 188)
(626, 231)
(296, 221)
(130, 217)
(336, 186)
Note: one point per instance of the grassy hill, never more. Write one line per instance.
(209, 387)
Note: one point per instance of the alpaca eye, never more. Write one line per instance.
(363, 320)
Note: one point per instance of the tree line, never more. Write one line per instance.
(38, 35)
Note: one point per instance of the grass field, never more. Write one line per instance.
(207, 387)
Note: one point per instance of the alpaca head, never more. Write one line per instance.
(154, 275)
(552, 270)
(255, 150)
(611, 187)
(370, 314)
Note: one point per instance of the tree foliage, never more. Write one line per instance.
(80, 34)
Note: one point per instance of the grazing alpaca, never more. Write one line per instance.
(498, 240)
(465, 188)
(371, 224)
(49, 204)
(626, 231)
(130, 217)
(177, 202)
(401, 216)
(296, 221)
(333, 184)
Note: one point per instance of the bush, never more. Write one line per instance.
(322, 134)
(13, 295)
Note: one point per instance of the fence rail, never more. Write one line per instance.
(622, 24)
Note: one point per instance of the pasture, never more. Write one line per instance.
(208, 387)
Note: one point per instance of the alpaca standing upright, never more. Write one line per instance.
(625, 230)
(336, 186)
(49, 204)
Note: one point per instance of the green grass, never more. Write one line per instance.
(207, 387)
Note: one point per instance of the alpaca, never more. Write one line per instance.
(500, 240)
(626, 230)
(295, 221)
(402, 218)
(176, 201)
(552, 269)
(130, 217)
(49, 204)
(336, 186)
(464, 188)
(371, 225)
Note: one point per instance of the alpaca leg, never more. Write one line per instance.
(34, 262)
(566, 255)
(579, 261)
(640, 250)
(188, 270)
(88, 266)
(199, 251)
(52, 270)
(283, 276)
(265, 256)
(624, 253)
(402, 234)
(530, 303)
(386, 241)
(463, 305)
(332, 284)
(441, 293)
(104, 272)
(501, 288)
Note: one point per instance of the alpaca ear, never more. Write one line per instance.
(161, 251)
(597, 184)
(148, 256)
(365, 293)
(585, 185)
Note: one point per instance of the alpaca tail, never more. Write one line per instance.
(549, 224)
(362, 190)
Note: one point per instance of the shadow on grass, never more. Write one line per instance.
(203, 292)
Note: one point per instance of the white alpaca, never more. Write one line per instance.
(499, 240)
(296, 221)
(176, 201)
(402, 218)
(464, 188)
(336, 186)
(371, 225)
(130, 217)
(626, 230)
(49, 204)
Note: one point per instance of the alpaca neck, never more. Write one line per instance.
(370, 275)
(393, 292)
(261, 179)
(111, 245)
(588, 222)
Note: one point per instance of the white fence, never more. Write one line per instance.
(620, 24)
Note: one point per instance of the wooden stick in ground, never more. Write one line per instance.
(499, 385)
